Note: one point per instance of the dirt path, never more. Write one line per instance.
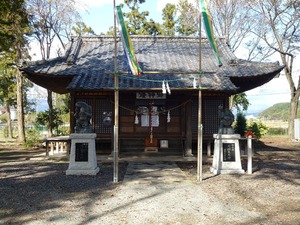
(37, 191)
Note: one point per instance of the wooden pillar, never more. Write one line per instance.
(72, 109)
(209, 148)
(188, 129)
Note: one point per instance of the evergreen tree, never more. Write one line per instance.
(240, 125)
(136, 21)
(13, 24)
(81, 29)
(13, 27)
(7, 90)
(187, 23)
(169, 15)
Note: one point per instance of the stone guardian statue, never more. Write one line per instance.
(83, 116)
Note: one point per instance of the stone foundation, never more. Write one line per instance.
(83, 159)
(227, 157)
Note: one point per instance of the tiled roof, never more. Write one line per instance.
(90, 61)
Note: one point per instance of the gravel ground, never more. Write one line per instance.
(37, 191)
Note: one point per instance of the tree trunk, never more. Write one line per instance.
(295, 92)
(20, 108)
(292, 115)
(50, 104)
(9, 126)
(231, 102)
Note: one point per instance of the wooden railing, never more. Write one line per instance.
(58, 144)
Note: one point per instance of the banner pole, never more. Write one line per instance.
(116, 110)
(199, 141)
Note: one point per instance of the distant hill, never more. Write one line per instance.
(279, 111)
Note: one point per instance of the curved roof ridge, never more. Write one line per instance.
(72, 52)
(147, 37)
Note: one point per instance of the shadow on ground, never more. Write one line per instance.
(28, 188)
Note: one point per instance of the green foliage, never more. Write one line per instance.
(277, 131)
(3, 118)
(43, 118)
(187, 22)
(136, 21)
(258, 128)
(8, 86)
(62, 103)
(13, 24)
(240, 102)
(5, 132)
(153, 28)
(169, 14)
(8, 83)
(279, 111)
(240, 125)
(63, 130)
(81, 29)
(33, 137)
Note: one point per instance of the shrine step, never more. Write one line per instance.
(150, 154)
(139, 146)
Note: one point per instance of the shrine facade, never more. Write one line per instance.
(159, 107)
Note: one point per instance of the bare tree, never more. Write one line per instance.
(52, 20)
(281, 33)
(232, 20)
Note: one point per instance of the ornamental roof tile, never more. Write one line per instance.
(89, 65)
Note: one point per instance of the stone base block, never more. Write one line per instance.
(224, 171)
(83, 158)
(227, 158)
(82, 172)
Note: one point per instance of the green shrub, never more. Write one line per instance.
(240, 125)
(258, 128)
(33, 138)
(63, 130)
(5, 132)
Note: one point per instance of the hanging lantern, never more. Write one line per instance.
(168, 88)
(136, 121)
(168, 117)
(194, 83)
(164, 88)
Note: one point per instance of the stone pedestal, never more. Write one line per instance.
(227, 158)
(83, 159)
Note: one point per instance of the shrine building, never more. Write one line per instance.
(163, 101)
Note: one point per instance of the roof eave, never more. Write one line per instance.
(247, 83)
(53, 83)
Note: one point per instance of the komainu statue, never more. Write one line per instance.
(83, 116)
(226, 120)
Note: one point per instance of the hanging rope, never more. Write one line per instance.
(154, 81)
(158, 112)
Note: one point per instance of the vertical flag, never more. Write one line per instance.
(209, 29)
(127, 44)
